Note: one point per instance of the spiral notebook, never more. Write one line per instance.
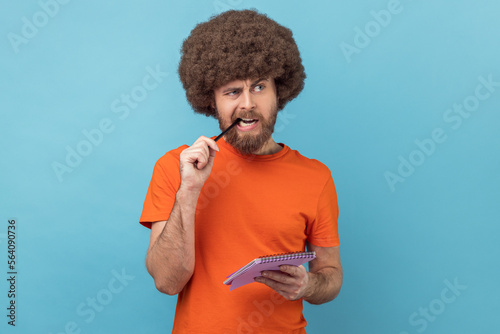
(246, 274)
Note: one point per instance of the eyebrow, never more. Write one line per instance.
(230, 89)
(257, 81)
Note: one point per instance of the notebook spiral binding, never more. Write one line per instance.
(281, 256)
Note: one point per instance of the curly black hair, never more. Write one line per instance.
(239, 45)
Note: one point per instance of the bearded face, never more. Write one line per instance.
(255, 102)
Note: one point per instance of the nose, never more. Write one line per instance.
(247, 102)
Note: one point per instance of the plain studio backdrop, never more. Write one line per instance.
(402, 103)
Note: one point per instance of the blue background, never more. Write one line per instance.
(360, 113)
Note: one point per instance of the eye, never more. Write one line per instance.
(258, 87)
(232, 93)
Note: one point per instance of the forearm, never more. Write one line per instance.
(324, 285)
(170, 260)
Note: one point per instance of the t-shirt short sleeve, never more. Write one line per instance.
(162, 189)
(323, 231)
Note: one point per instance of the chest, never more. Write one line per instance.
(253, 207)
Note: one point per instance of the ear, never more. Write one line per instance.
(213, 105)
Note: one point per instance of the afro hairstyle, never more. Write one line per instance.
(239, 45)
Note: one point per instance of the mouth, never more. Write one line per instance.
(247, 122)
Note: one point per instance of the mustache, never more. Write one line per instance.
(247, 115)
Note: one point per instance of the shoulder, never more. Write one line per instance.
(313, 165)
(170, 159)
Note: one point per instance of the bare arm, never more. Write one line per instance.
(320, 285)
(170, 258)
(325, 275)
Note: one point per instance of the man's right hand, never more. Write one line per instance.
(196, 163)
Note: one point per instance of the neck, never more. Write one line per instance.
(270, 147)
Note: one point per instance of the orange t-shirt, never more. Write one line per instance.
(250, 206)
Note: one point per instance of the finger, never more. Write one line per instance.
(208, 147)
(284, 290)
(193, 154)
(200, 164)
(200, 147)
(275, 285)
(208, 157)
(293, 270)
(201, 161)
(212, 144)
(208, 142)
(211, 157)
(278, 276)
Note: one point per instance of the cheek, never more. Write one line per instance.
(226, 108)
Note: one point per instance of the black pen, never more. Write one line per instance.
(229, 128)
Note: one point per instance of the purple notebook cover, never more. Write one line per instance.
(247, 273)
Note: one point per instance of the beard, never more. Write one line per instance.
(248, 143)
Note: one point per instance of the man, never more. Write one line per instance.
(214, 206)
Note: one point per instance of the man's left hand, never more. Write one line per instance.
(291, 282)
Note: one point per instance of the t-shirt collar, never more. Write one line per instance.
(223, 145)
